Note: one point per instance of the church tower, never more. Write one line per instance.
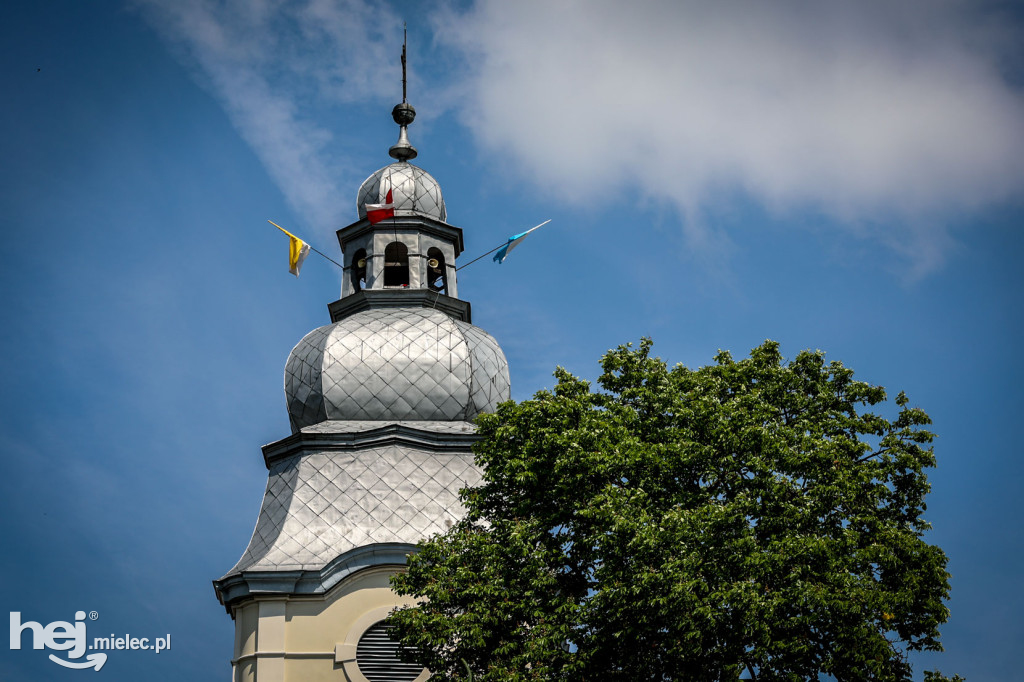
(380, 403)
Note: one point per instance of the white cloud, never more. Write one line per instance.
(871, 111)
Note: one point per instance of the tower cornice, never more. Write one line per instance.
(411, 221)
(399, 298)
(246, 585)
(340, 436)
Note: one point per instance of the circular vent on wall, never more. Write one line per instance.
(377, 657)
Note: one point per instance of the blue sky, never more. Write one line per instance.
(847, 179)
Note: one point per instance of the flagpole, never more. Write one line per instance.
(479, 257)
(311, 247)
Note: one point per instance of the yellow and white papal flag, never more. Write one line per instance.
(297, 250)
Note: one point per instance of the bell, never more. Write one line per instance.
(433, 264)
(361, 263)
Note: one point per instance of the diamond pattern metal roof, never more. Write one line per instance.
(320, 505)
(413, 190)
(395, 364)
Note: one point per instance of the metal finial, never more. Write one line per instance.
(403, 114)
(405, 41)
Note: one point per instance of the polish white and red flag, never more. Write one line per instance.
(378, 212)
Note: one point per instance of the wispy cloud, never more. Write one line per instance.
(275, 67)
(875, 113)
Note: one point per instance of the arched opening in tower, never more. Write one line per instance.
(379, 659)
(396, 265)
(437, 273)
(357, 270)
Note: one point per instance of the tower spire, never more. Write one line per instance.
(405, 41)
(403, 114)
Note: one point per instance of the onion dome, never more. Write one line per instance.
(413, 191)
(394, 364)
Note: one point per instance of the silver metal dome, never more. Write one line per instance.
(395, 364)
(414, 190)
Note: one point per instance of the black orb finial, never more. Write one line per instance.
(403, 113)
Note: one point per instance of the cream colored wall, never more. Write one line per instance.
(313, 639)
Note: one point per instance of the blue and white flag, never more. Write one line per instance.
(513, 242)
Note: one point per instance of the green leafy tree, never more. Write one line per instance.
(749, 519)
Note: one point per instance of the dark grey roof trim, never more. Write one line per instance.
(418, 222)
(399, 298)
(232, 589)
(313, 439)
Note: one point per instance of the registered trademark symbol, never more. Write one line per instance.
(93, 615)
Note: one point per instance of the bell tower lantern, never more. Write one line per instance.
(413, 248)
